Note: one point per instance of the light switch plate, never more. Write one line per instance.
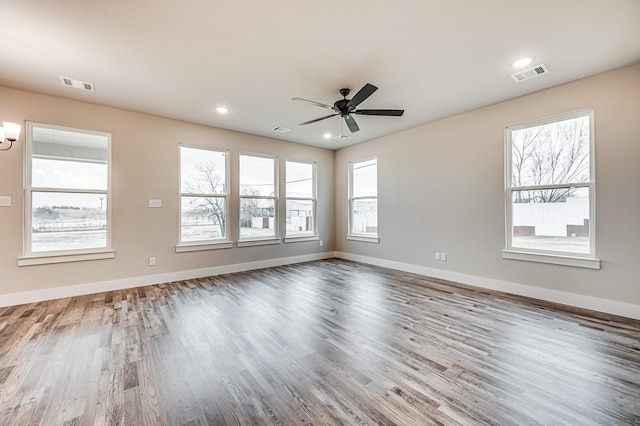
(155, 203)
(5, 201)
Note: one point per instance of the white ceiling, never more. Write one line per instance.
(433, 58)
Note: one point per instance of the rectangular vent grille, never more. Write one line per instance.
(530, 73)
(77, 84)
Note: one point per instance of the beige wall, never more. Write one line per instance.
(441, 188)
(144, 166)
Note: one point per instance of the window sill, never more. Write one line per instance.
(187, 247)
(576, 261)
(258, 242)
(45, 259)
(301, 238)
(363, 238)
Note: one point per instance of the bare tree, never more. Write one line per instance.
(208, 183)
(551, 154)
(251, 207)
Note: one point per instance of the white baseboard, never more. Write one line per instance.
(12, 299)
(628, 310)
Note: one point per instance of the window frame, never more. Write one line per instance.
(210, 244)
(314, 201)
(369, 238)
(29, 257)
(260, 240)
(585, 260)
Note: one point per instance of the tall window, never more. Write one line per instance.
(550, 186)
(301, 198)
(258, 192)
(363, 198)
(203, 195)
(67, 199)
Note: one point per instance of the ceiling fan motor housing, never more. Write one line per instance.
(341, 106)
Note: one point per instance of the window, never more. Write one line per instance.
(363, 200)
(301, 199)
(67, 195)
(203, 198)
(550, 189)
(258, 202)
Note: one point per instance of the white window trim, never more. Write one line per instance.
(369, 238)
(577, 261)
(363, 238)
(41, 258)
(59, 257)
(301, 238)
(201, 246)
(541, 256)
(267, 239)
(212, 244)
(314, 200)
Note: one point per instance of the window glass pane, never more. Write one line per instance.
(299, 179)
(75, 163)
(365, 178)
(66, 174)
(257, 176)
(69, 145)
(554, 153)
(365, 216)
(257, 217)
(66, 221)
(202, 171)
(203, 218)
(551, 219)
(68, 159)
(299, 217)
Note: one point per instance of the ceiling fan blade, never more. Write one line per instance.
(389, 112)
(312, 102)
(351, 123)
(363, 94)
(317, 119)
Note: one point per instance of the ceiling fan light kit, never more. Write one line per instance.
(347, 107)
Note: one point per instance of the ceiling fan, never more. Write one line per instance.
(346, 107)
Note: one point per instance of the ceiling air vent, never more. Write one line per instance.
(530, 73)
(77, 84)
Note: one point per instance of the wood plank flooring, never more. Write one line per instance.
(319, 343)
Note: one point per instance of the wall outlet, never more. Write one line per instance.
(437, 256)
(155, 204)
(152, 261)
(5, 201)
(321, 243)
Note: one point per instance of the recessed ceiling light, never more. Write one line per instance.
(222, 110)
(327, 135)
(281, 129)
(522, 62)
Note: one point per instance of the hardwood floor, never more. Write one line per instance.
(325, 342)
